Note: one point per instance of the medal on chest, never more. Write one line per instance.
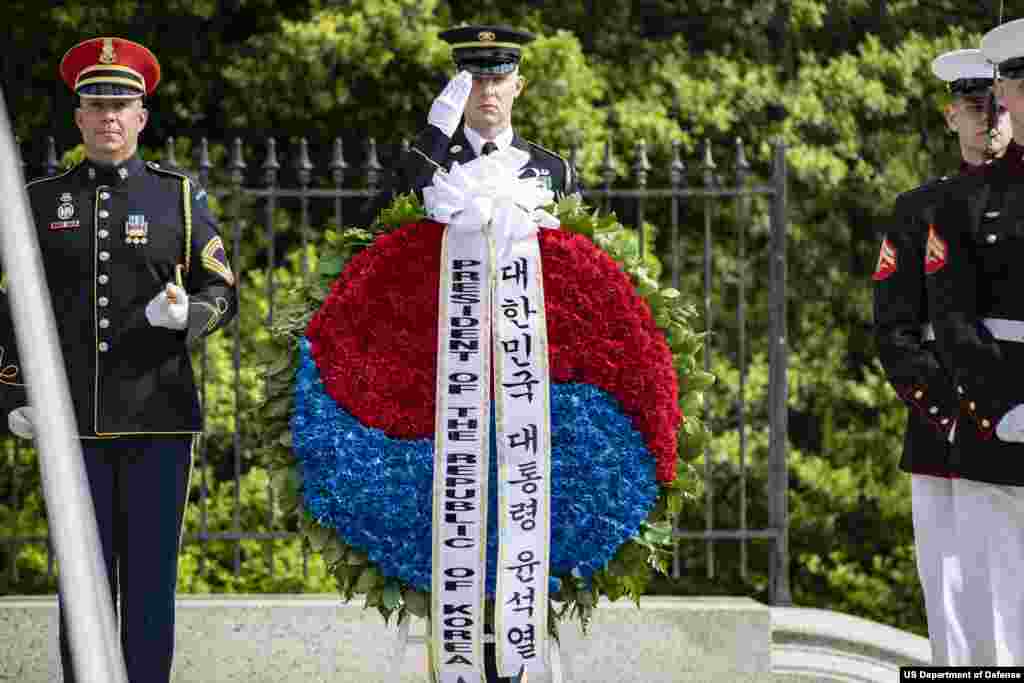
(136, 229)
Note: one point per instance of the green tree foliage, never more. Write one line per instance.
(846, 85)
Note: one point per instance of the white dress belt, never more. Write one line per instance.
(1000, 328)
(1005, 330)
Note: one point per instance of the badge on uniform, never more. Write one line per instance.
(886, 261)
(136, 229)
(215, 260)
(65, 213)
(542, 175)
(935, 252)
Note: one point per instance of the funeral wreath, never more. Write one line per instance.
(349, 423)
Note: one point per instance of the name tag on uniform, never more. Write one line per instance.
(64, 225)
(542, 176)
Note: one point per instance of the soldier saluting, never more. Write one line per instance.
(473, 115)
(137, 274)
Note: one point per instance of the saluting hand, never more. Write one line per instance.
(446, 111)
(169, 308)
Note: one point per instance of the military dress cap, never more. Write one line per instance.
(966, 71)
(487, 50)
(1004, 47)
(110, 68)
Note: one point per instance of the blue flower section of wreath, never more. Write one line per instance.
(376, 491)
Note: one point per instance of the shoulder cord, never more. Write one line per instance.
(186, 193)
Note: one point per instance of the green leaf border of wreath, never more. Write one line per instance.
(631, 569)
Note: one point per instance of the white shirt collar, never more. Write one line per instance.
(476, 141)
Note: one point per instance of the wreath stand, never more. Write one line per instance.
(560, 669)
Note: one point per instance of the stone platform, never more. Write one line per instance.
(315, 638)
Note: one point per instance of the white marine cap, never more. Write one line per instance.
(1004, 47)
(966, 71)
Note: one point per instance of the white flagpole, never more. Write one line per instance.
(88, 610)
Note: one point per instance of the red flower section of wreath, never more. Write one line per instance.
(375, 337)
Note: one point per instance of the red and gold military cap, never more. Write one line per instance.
(110, 68)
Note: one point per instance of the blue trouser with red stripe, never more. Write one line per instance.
(139, 487)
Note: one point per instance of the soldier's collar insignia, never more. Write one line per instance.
(886, 261)
(455, 149)
(936, 252)
(136, 229)
(991, 214)
(112, 174)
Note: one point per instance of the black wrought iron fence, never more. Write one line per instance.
(271, 224)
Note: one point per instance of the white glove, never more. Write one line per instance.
(169, 308)
(446, 111)
(19, 421)
(1011, 427)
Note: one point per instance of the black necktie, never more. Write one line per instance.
(489, 147)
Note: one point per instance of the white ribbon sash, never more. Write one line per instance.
(492, 218)
(524, 462)
(462, 447)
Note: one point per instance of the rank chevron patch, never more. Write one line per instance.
(935, 252)
(215, 260)
(886, 261)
